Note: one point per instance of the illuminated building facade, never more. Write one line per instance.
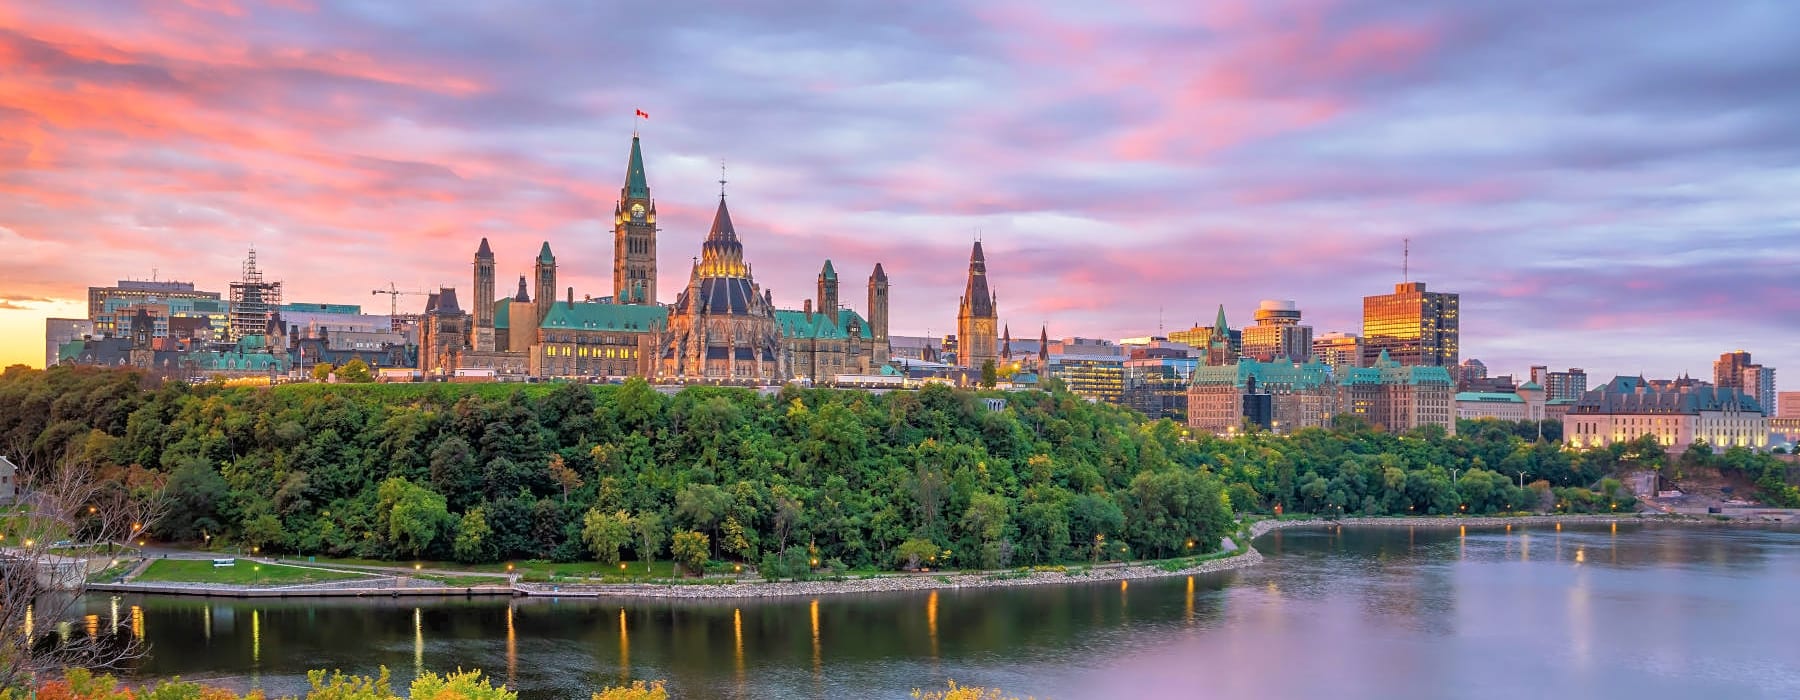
(1676, 413)
(1278, 334)
(1412, 326)
(1300, 395)
(1338, 350)
(1399, 398)
(977, 316)
(1091, 368)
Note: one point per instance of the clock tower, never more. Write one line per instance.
(634, 236)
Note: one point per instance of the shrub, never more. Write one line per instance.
(638, 690)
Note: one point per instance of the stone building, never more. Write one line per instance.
(1399, 398)
(722, 327)
(823, 341)
(977, 317)
(443, 334)
(1676, 413)
(1300, 395)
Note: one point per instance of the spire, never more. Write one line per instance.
(721, 225)
(524, 295)
(722, 255)
(1006, 343)
(1044, 344)
(976, 297)
(636, 186)
(544, 256)
(828, 273)
(879, 273)
(484, 252)
(1220, 329)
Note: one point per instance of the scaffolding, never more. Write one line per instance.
(253, 301)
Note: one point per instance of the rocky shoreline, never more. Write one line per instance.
(946, 581)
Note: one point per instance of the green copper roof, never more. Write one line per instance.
(503, 314)
(793, 324)
(1387, 371)
(1219, 327)
(1307, 376)
(1530, 386)
(544, 255)
(635, 183)
(1489, 397)
(828, 273)
(588, 315)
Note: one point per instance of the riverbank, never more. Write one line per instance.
(737, 588)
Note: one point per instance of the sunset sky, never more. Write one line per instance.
(1610, 184)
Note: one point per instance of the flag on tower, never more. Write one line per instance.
(643, 114)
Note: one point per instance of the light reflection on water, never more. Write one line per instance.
(1578, 611)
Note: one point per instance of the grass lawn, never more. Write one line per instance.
(531, 570)
(463, 581)
(244, 573)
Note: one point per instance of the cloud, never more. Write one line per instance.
(1595, 177)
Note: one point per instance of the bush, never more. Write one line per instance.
(638, 690)
(914, 553)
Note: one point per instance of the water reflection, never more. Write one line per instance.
(1399, 612)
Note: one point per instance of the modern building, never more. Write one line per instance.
(1412, 326)
(129, 292)
(1278, 334)
(254, 301)
(1399, 397)
(1676, 412)
(1787, 404)
(1091, 368)
(1157, 380)
(58, 331)
(1338, 350)
(1759, 382)
(1200, 337)
(1471, 372)
(977, 316)
(1728, 370)
(1565, 386)
(1299, 396)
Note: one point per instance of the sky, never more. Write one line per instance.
(1609, 184)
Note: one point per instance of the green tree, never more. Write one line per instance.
(915, 553)
(356, 371)
(604, 533)
(690, 549)
(321, 372)
(474, 539)
(989, 375)
(415, 516)
(650, 533)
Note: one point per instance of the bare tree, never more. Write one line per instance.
(66, 523)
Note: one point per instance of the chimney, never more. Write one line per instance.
(571, 298)
(808, 308)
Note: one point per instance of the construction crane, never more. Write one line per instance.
(394, 295)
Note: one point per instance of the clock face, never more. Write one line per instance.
(637, 211)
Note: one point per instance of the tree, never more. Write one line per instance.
(356, 372)
(604, 533)
(70, 499)
(690, 549)
(914, 553)
(474, 539)
(990, 376)
(415, 516)
(650, 534)
(321, 372)
(563, 476)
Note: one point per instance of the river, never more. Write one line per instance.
(1591, 611)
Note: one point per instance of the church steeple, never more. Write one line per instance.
(722, 255)
(634, 235)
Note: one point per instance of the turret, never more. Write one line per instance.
(828, 290)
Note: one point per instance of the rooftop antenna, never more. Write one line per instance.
(721, 179)
(1406, 259)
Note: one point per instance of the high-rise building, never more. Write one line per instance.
(1412, 326)
(484, 298)
(977, 317)
(1787, 404)
(129, 292)
(1759, 382)
(634, 236)
(253, 301)
(1565, 386)
(1728, 370)
(1340, 351)
(1278, 333)
(1156, 381)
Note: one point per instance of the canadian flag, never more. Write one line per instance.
(643, 114)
